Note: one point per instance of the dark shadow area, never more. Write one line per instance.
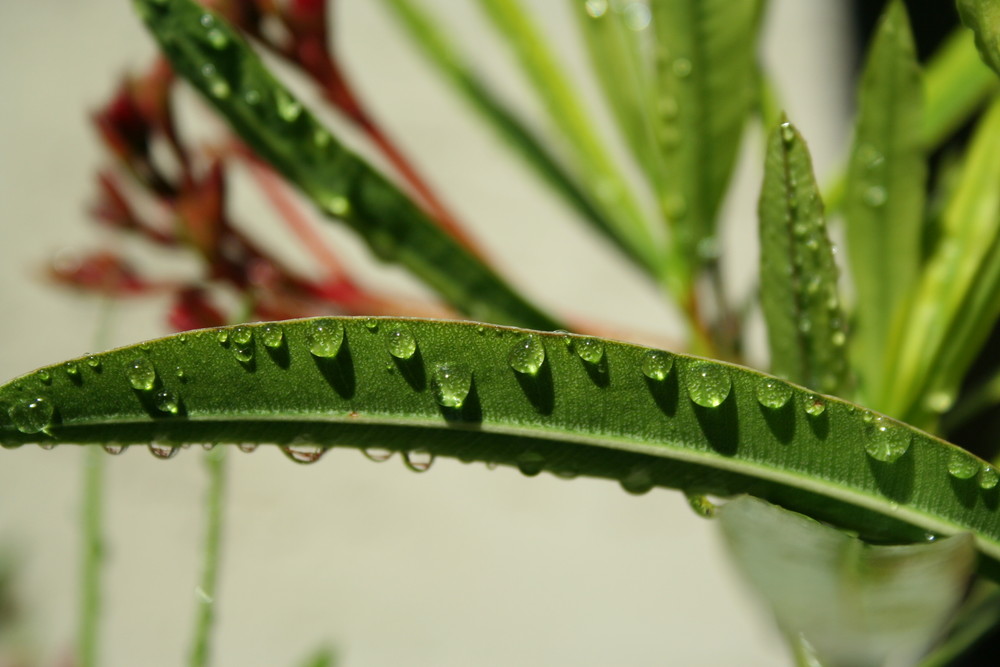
(781, 421)
(665, 393)
(412, 370)
(280, 355)
(538, 388)
(895, 479)
(720, 425)
(471, 411)
(338, 371)
(819, 424)
(599, 372)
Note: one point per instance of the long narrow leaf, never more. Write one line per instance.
(444, 55)
(798, 275)
(884, 206)
(222, 66)
(571, 405)
(956, 85)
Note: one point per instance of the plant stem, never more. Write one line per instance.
(205, 621)
(93, 556)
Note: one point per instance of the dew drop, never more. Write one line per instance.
(637, 16)
(180, 373)
(222, 335)
(988, 477)
(114, 448)
(247, 447)
(787, 133)
(400, 342)
(590, 350)
(773, 394)
(371, 324)
(875, 196)
(141, 374)
(44, 376)
(886, 441)
(418, 460)
(47, 446)
(321, 138)
(303, 453)
(217, 39)
(708, 384)
(242, 335)
(324, 338)
(813, 405)
(208, 446)
(289, 108)
(530, 463)
(939, 402)
(207, 21)
(94, 362)
(32, 415)
(451, 384)
(72, 368)
(252, 97)
(681, 67)
(701, 505)
(337, 205)
(272, 336)
(596, 8)
(656, 364)
(527, 355)
(377, 454)
(162, 451)
(638, 481)
(217, 86)
(838, 338)
(962, 465)
(166, 401)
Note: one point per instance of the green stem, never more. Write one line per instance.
(93, 556)
(200, 647)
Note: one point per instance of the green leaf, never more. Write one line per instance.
(852, 603)
(444, 55)
(983, 18)
(566, 404)
(957, 299)
(956, 85)
(221, 65)
(568, 113)
(884, 203)
(798, 275)
(707, 73)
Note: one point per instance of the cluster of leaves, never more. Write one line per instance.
(682, 80)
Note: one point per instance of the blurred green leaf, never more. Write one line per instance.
(798, 275)
(853, 604)
(956, 85)
(220, 64)
(983, 18)
(884, 204)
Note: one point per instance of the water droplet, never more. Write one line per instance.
(272, 335)
(72, 368)
(656, 364)
(377, 454)
(988, 477)
(208, 446)
(530, 463)
(141, 374)
(773, 394)
(93, 362)
(596, 8)
(252, 97)
(400, 342)
(207, 21)
(180, 373)
(787, 133)
(166, 401)
(288, 107)
(886, 441)
(681, 67)
(451, 384)
(638, 481)
(637, 16)
(321, 138)
(324, 338)
(371, 324)
(701, 505)
(303, 452)
(242, 335)
(939, 401)
(527, 355)
(47, 446)
(961, 465)
(337, 205)
(32, 415)
(217, 39)
(875, 196)
(418, 460)
(222, 335)
(44, 376)
(162, 451)
(590, 350)
(838, 338)
(813, 405)
(217, 86)
(114, 448)
(247, 447)
(708, 384)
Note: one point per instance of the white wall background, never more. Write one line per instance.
(457, 567)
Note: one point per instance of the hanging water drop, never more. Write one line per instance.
(141, 374)
(166, 401)
(962, 465)
(208, 446)
(590, 350)
(324, 338)
(47, 446)
(988, 477)
(32, 415)
(681, 68)
(162, 451)
(530, 463)
(272, 336)
(657, 364)
(638, 481)
(787, 133)
(377, 454)
(451, 384)
(304, 453)
(418, 460)
(247, 447)
(527, 355)
(885, 441)
(708, 384)
(114, 448)
(813, 405)
(773, 394)
(400, 343)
